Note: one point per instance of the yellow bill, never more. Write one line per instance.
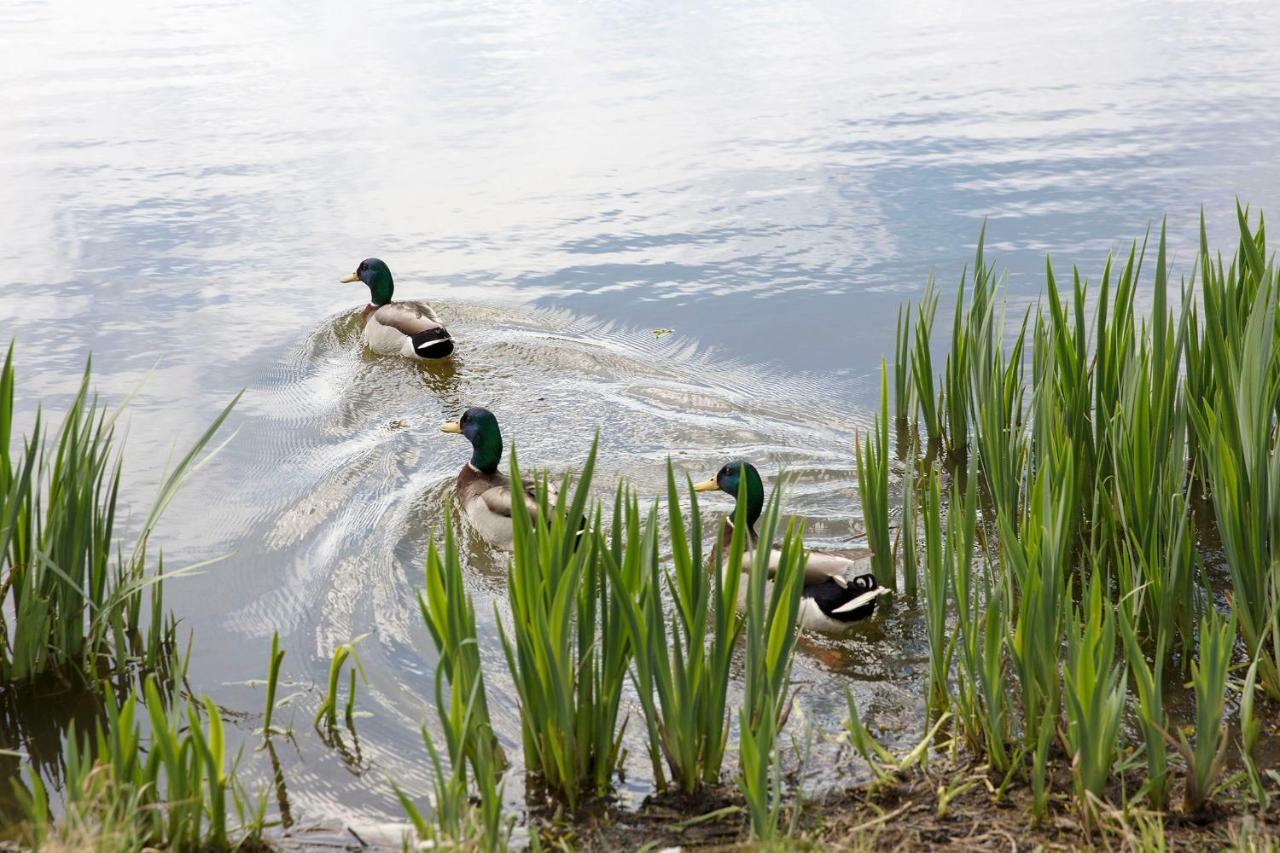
(706, 486)
(349, 279)
(451, 426)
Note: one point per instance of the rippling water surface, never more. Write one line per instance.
(183, 185)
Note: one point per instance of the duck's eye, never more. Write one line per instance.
(363, 266)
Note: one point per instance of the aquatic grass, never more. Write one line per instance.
(1041, 732)
(937, 582)
(909, 542)
(956, 381)
(878, 759)
(1205, 755)
(769, 638)
(1142, 514)
(872, 456)
(1000, 436)
(881, 761)
(76, 610)
(460, 816)
(450, 619)
(568, 649)
(1092, 431)
(903, 400)
(1148, 678)
(1250, 734)
(274, 663)
(980, 635)
(1036, 564)
(922, 365)
(684, 653)
(328, 710)
(169, 788)
(1095, 689)
(1235, 431)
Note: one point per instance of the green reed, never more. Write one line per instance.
(684, 653)
(903, 400)
(171, 787)
(328, 710)
(909, 543)
(1000, 435)
(1206, 754)
(980, 636)
(1036, 566)
(1095, 689)
(1148, 678)
(769, 637)
(460, 817)
(450, 618)
(568, 648)
(274, 663)
(75, 595)
(878, 759)
(872, 455)
(1090, 430)
(1235, 429)
(1250, 733)
(921, 365)
(937, 581)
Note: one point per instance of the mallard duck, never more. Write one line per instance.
(405, 328)
(837, 591)
(483, 491)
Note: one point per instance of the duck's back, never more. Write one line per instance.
(410, 329)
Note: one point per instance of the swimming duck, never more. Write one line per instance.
(405, 328)
(483, 491)
(837, 591)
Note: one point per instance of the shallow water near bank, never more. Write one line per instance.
(185, 185)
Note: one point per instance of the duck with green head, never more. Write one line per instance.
(484, 492)
(838, 592)
(409, 328)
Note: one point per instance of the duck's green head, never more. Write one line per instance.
(732, 477)
(377, 276)
(481, 429)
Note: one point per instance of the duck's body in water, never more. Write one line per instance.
(838, 592)
(485, 493)
(409, 328)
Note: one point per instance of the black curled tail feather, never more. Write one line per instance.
(851, 602)
(432, 343)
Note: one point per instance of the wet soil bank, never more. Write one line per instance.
(914, 811)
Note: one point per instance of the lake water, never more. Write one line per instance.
(183, 185)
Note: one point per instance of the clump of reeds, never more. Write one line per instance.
(683, 627)
(589, 606)
(568, 648)
(169, 787)
(82, 606)
(470, 743)
(770, 636)
(1077, 441)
